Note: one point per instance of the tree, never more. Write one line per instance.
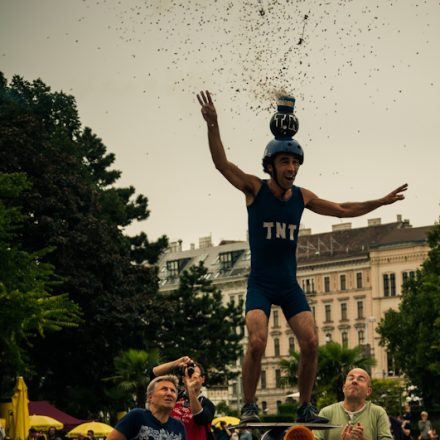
(412, 333)
(388, 394)
(199, 325)
(75, 209)
(334, 362)
(27, 308)
(131, 373)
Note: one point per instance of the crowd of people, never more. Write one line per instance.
(177, 409)
(183, 413)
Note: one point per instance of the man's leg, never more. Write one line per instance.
(303, 325)
(257, 327)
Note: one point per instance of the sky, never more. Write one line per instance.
(365, 75)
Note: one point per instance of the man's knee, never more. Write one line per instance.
(309, 344)
(257, 345)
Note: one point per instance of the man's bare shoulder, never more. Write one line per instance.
(307, 195)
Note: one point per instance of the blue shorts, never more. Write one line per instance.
(261, 294)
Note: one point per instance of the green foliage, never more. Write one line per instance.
(199, 325)
(222, 409)
(74, 210)
(412, 334)
(290, 368)
(27, 307)
(334, 362)
(131, 377)
(287, 409)
(388, 394)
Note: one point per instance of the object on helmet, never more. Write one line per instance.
(283, 125)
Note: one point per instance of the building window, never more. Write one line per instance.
(389, 284)
(360, 309)
(328, 312)
(326, 284)
(344, 338)
(278, 378)
(328, 337)
(308, 285)
(227, 260)
(361, 337)
(313, 311)
(391, 365)
(291, 344)
(264, 406)
(276, 347)
(359, 280)
(235, 388)
(174, 267)
(342, 282)
(263, 379)
(344, 315)
(393, 284)
(386, 285)
(408, 275)
(275, 319)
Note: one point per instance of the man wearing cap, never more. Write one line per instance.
(274, 209)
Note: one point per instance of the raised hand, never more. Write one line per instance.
(208, 110)
(395, 195)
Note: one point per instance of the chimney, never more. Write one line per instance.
(176, 246)
(374, 221)
(205, 242)
(341, 226)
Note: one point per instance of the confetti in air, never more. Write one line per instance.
(251, 49)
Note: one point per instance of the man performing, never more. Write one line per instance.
(155, 422)
(359, 418)
(192, 409)
(274, 209)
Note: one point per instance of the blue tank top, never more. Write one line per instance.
(273, 227)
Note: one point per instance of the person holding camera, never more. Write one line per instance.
(194, 410)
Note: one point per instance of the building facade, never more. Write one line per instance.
(351, 277)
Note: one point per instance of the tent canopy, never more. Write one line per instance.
(44, 408)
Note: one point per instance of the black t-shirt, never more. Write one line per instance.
(140, 424)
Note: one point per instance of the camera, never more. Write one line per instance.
(190, 368)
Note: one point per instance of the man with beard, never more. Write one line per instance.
(359, 418)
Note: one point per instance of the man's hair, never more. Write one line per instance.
(167, 377)
(202, 370)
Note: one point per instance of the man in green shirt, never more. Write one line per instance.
(359, 418)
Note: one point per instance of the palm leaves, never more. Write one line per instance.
(131, 376)
(334, 362)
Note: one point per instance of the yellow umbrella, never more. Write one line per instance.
(228, 419)
(20, 410)
(99, 429)
(43, 423)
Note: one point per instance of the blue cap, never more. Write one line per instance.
(290, 146)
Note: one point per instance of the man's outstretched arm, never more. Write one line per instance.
(350, 209)
(244, 182)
